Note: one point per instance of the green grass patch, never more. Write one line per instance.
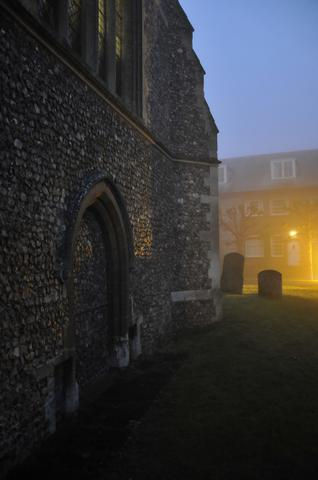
(245, 403)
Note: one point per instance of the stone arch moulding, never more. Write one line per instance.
(100, 195)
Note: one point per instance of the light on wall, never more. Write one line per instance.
(293, 233)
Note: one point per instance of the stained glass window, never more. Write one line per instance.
(101, 37)
(47, 12)
(74, 20)
(119, 45)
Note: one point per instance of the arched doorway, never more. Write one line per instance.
(91, 264)
(98, 255)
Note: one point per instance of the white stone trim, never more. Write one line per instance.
(212, 200)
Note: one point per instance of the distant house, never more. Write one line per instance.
(269, 212)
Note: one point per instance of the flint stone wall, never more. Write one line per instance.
(55, 132)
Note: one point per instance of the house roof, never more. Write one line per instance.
(253, 173)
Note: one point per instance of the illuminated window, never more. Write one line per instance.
(222, 174)
(284, 168)
(254, 248)
(119, 45)
(254, 208)
(106, 35)
(279, 206)
(74, 22)
(101, 37)
(47, 12)
(277, 246)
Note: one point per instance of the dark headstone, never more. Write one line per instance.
(232, 276)
(270, 284)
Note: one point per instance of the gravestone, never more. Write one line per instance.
(270, 284)
(232, 275)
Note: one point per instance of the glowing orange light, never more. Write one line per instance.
(293, 233)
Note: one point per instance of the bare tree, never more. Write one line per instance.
(240, 222)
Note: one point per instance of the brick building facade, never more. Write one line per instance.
(269, 213)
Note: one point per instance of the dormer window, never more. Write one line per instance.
(283, 168)
(222, 174)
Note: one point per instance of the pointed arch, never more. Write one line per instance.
(103, 200)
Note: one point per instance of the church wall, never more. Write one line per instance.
(58, 132)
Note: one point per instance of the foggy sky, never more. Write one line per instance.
(261, 63)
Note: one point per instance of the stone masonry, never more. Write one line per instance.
(108, 213)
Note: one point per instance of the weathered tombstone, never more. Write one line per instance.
(270, 284)
(232, 275)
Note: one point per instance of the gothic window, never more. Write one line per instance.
(106, 35)
(119, 45)
(101, 37)
(74, 22)
(47, 12)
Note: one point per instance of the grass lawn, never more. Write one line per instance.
(244, 404)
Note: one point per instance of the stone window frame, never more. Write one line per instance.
(102, 35)
(48, 13)
(131, 65)
(74, 24)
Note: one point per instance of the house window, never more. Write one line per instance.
(101, 38)
(277, 246)
(254, 208)
(254, 248)
(119, 45)
(222, 174)
(284, 168)
(74, 23)
(279, 206)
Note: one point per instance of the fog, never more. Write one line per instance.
(261, 72)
